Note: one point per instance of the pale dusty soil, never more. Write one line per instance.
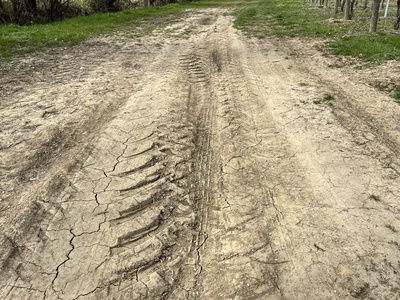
(200, 166)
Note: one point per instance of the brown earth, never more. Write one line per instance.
(198, 166)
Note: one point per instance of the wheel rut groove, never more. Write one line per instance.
(138, 192)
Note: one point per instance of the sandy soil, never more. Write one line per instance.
(198, 166)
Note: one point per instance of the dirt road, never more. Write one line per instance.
(196, 163)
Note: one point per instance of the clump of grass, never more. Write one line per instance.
(391, 227)
(326, 98)
(382, 86)
(396, 290)
(329, 97)
(389, 87)
(375, 198)
(396, 93)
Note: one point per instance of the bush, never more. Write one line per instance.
(23, 12)
(53, 10)
(103, 5)
(4, 12)
(20, 12)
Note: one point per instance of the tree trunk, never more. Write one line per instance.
(347, 10)
(365, 4)
(337, 4)
(375, 15)
(397, 23)
(352, 9)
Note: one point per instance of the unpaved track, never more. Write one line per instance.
(204, 167)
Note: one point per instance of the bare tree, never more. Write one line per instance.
(374, 16)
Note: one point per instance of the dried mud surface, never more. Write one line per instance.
(200, 166)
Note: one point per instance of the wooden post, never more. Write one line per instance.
(347, 10)
(374, 15)
(397, 23)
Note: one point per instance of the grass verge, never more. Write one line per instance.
(259, 18)
(16, 40)
(396, 93)
(19, 40)
(290, 18)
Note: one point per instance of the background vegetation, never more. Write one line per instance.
(17, 39)
(259, 18)
(292, 18)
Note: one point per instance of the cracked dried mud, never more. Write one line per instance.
(200, 166)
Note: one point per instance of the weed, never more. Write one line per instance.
(395, 244)
(361, 292)
(396, 93)
(327, 98)
(375, 197)
(391, 227)
(381, 86)
(390, 88)
(383, 280)
(395, 290)
(373, 267)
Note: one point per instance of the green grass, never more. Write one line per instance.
(258, 18)
(369, 47)
(327, 98)
(391, 227)
(15, 40)
(297, 18)
(375, 198)
(396, 93)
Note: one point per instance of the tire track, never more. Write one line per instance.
(242, 213)
(225, 133)
(218, 179)
(128, 209)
